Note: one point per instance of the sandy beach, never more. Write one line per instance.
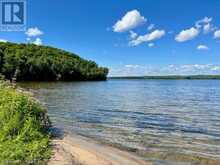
(77, 150)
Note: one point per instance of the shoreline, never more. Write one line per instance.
(79, 150)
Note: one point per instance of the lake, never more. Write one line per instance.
(165, 121)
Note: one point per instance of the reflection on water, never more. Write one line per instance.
(167, 121)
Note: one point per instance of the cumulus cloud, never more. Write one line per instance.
(150, 27)
(205, 20)
(33, 32)
(132, 66)
(205, 24)
(133, 35)
(202, 47)
(156, 34)
(208, 28)
(193, 69)
(129, 21)
(199, 68)
(38, 41)
(187, 34)
(3, 40)
(217, 34)
(151, 44)
(128, 70)
(144, 70)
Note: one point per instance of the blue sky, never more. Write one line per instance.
(141, 37)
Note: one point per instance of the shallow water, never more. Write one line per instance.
(165, 121)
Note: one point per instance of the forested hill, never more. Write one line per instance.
(43, 63)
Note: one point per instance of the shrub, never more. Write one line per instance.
(24, 124)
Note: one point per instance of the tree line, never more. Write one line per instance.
(172, 77)
(44, 63)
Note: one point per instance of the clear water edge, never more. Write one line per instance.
(166, 121)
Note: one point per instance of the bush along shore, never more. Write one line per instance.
(43, 63)
(24, 128)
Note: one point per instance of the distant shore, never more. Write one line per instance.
(171, 77)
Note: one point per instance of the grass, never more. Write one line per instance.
(24, 137)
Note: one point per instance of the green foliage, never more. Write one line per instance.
(24, 137)
(32, 62)
(2, 77)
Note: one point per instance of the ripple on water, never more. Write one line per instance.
(169, 122)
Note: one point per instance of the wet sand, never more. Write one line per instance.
(77, 150)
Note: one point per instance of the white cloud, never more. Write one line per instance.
(205, 20)
(150, 27)
(133, 35)
(38, 41)
(132, 66)
(33, 32)
(172, 69)
(3, 40)
(128, 70)
(217, 34)
(207, 28)
(199, 67)
(129, 21)
(156, 34)
(151, 44)
(192, 69)
(202, 47)
(188, 69)
(206, 24)
(187, 34)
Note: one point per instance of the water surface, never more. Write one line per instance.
(165, 121)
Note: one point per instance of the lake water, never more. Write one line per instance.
(165, 121)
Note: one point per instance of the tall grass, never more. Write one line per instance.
(24, 138)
